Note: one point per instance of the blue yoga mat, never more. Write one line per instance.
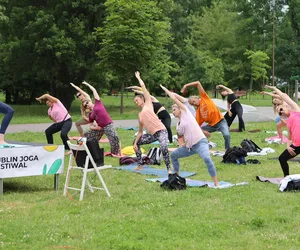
(197, 183)
(152, 171)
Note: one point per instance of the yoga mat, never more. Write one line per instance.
(131, 128)
(198, 183)
(271, 180)
(276, 138)
(296, 159)
(250, 131)
(78, 137)
(152, 171)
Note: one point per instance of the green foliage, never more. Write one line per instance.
(258, 63)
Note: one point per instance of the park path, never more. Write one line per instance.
(262, 114)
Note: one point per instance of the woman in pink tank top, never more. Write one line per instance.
(148, 120)
(61, 118)
(292, 111)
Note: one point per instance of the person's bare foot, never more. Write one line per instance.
(139, 167)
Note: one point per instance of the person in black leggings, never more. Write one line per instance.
(8, 114)
(292, 111)
(159, 110)
(234, 107)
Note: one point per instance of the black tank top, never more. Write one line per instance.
(231, 98)
(156, 106)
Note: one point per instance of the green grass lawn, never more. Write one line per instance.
(140, 215)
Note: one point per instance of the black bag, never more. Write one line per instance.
(155, 155)
(96, 152)
(250, 146)
(174, 182)
(293, 186)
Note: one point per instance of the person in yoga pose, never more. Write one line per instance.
(234, 107)
(82, 96)
(279, 120)
(159, 110)
(61, 118)
(8, 114)
(104, 122)
(148, 120)
(195, 140)
(207, 111)
(293, 124)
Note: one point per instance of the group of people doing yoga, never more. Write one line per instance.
(191, 112)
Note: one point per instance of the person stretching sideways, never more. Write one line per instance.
(234, 107)
(207, 111)
(82, 96)
(159, 110)
(8, 114)
(293, 124)
(195, 140)
(148, 120)
(103, 120)
(61, 118)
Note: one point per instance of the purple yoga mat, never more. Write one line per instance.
(271, 180)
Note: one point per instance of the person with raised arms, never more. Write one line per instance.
(292, 111)
(234, 107)
(104, 122)
(279, 120)
(148, 120)
(61, 118)
(195, 140)
(207, 111)
(159, 110)
(82, 96)
(8, 114)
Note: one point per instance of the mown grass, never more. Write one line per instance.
(140, 215)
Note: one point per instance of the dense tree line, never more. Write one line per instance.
(46, 44)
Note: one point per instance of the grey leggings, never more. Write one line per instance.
(111, 134)
(162, 137)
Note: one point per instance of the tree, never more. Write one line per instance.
(46, 45)
(134, 37)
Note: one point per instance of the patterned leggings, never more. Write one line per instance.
(111, 134)
(162, 137)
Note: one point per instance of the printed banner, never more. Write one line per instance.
(32, 160)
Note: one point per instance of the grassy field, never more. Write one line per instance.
(38, 113)
(140, 215)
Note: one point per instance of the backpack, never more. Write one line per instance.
(155, 156)
(174, 182)
(250, 146)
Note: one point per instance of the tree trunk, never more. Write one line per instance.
(122, 98)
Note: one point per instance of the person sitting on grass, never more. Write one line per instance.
(293, 125)
(148, 120)
(61, 118)
(207, 111)
(195, 140)
(159, 110)
(100, 115)
(82, 96)
(234, 107)
(8, 114)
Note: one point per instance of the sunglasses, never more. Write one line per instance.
(78, 95)
(280, 112)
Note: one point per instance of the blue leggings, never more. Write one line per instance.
(8, 114)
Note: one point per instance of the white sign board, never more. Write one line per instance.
(31, 160)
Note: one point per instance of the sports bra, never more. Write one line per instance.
(156, 106)
(231, 98)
